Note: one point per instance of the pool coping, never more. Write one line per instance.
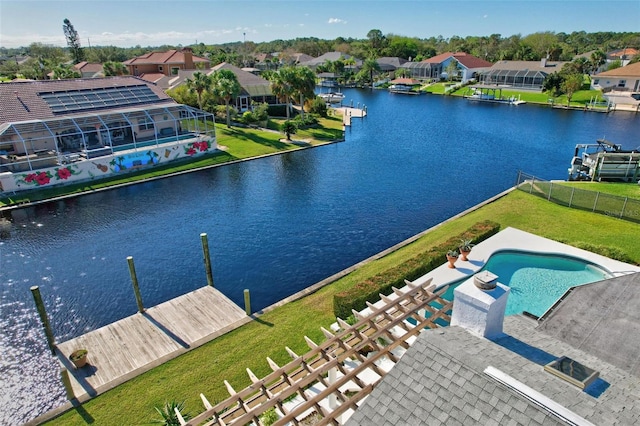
(516, 239)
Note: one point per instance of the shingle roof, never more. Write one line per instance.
(20, 100)
(631, 70)
(440, 380)
(528, 65)
(252, 84)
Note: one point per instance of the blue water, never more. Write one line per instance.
(276, 225)
(537, 281)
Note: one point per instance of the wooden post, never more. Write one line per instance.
(247, 301)
(66, 382)
(134, 280)
(35, 291)
(207, 259)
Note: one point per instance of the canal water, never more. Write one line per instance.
(276, 225)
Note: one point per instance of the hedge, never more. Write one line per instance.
(369, 290)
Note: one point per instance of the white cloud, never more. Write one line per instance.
(485, 16)
(336, 21)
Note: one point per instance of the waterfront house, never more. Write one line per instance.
(520, 74)
(389, 64)
(62, 131)
(253, 88)
(619, 85)
(333, 57)
(434, 68)
(623, 55)
(167, 63)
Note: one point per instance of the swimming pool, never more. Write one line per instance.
(537, 281)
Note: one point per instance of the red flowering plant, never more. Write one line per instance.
(195, 147)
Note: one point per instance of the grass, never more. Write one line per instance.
(204, 369)
(631, 190)
(239, 143)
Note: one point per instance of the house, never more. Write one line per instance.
(89, 69)
(62, 131)
(434, 68)
(454, 376)
(253, 88)
(390, 64)
(333, 57)
(622, 55)
(167, 63)
(623, 79)
(620, 86)
(520, 74)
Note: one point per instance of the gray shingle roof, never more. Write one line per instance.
(440, 380)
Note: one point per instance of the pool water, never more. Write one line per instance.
(537, 281)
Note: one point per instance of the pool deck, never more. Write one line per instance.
(515, 239)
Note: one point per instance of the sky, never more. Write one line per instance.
(128, 23)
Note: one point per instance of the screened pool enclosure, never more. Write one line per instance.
(37, 144)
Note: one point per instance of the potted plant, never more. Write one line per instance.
(452, 256)
(79, 357)
(465, 248)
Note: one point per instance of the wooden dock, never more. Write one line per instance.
(133, 345)
(348, 113)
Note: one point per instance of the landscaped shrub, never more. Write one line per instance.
(306, 120)
(610, 252)
(277, 110)
(318, 106)
(369, 289)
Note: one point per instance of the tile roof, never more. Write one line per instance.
(465, 59)
(441, 380)
(88, 67)
(20, 100)
(169, 57)
(406, 81)
(631, 70)
(628, 52)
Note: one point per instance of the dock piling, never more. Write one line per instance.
(44, 318)
(134, 280)
(247, 301)
(207, 258)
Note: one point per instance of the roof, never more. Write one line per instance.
(528, 65)
(390, 63)
(405, 81)
(330, 56)
(465, 59)
(441, 380)
(87, 67)
(631, 70)
(251, 84)
(592, 320)
(21, 100)
(152, 77)
(627, 53)
(169, 57)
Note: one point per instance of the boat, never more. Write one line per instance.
(492, 94)
(407, 86)
(332, 97)
(604, 161)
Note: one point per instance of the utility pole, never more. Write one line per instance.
(244, 49)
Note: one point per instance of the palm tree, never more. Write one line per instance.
(598, 58)
(225, 87)
(200, 83)
(282, 85)
(289, 128)
(370, 66)
(111, 68)
(304, 85)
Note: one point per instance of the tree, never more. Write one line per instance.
(111, 68)
(571, 84)
(73, 41)
(369, 67)
(289, 128)
(282, 85)
(452, 69)
(376, 40)
(304, 84)
(226, 87)
(553, 83)
(200, 83)
(598, 58)
(63, 71)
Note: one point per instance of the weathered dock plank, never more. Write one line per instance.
(126, 348)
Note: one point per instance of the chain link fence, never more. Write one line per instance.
(611, 205)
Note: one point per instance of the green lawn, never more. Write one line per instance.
(239, 143)
(631, 190)
(204, 369)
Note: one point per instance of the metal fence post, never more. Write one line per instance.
(624, 205)
(533, 180)
(573, 190)
(595, 202)
(550, 189)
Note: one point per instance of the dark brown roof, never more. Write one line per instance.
(19, 101)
